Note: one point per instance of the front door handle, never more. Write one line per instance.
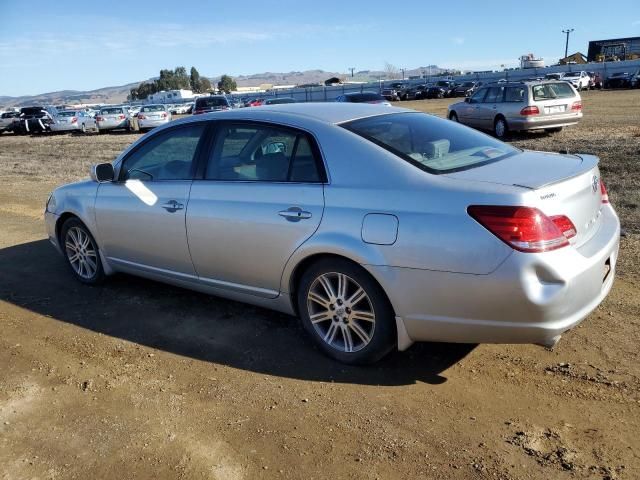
(294, 214)
(172, 206)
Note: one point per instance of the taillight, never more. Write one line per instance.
(603, 192)
(525, 229)
(121, 117)
(532, 110)
(99, 119)
(198, 112)
(141, 116)
(74, 119)
(164, 115)
(577, 106)
(565, 225)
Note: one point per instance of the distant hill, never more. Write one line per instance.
(119, 94)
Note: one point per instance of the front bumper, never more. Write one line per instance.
(530, 298)
(50, 220)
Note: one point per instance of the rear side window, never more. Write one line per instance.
(494, 95)
(209, 102)
(166, 156)
(262, 153)
(549, 91)
(515, 94)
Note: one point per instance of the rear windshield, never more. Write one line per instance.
(212, 102)
(430, 143)
(549, 91)
(29, 111)
(153, 108)
(367, 97)
(66, 114)
(111, 111)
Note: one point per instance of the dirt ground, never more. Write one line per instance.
(137, 379)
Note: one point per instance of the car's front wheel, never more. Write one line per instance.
(81, 252)
(346, 312)
(453, 117)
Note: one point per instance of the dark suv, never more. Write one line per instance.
(212, 103)
(34, 120)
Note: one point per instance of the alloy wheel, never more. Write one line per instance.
(81, 253)
(341, 312)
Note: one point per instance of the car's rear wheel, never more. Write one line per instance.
(346, 312)
(81, 252)
(500, 127)
(453, 117)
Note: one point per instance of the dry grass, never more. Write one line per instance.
(610, 129)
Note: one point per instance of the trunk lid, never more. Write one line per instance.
(565, 185)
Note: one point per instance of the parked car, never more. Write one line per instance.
(517, 106)
(635, 80)
(441, 89)
(364, 97)
(278, 100)
(390, 94)
(618, 80)
(554, 76)
(34, 120)
(595, 79)
(372, 253)
(580, 80)
(7, 119)
(418, 92)
(73, 121)
(463, 90)
(113, 118)
(212, 103)
(151, 116)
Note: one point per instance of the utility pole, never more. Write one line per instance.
(352, 69)
(567, 32)
(402, 70)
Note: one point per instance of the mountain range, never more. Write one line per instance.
(119, 94)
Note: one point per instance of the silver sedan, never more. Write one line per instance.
(377, 226)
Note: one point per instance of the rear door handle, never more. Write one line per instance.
(294, 214)
(172, 206)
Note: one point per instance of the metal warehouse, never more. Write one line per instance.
(621, 48)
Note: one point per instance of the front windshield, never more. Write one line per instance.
(431, 143)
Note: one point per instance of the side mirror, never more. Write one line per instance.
(467, 99)
(102, 172)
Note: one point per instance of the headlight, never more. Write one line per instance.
(51, 204)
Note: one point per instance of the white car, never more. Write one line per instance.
(580, 80)
(7, 119)
(73, 121)
(152, 116)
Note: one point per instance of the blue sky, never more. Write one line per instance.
(58, 44)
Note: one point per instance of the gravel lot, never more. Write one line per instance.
(142, 380)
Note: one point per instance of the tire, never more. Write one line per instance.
(453, 116)
(356, 332)
(77, 242)
(84, 128)
(553, 130)
(500, 128)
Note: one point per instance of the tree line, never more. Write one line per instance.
(178, 79)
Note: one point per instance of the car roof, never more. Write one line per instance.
(329, 112)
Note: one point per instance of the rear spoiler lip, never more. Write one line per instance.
(589, 162)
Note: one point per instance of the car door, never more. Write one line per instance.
(469, 112)
(141, 215)
(259, 198)
(488, 109)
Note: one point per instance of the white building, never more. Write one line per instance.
(170, 96)
(530, 61)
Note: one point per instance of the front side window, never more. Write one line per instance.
(478, 96)
(166, 156)
(430, 143)
(262, 153)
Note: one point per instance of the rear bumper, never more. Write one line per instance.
(530, 298)
(547, 121)
(58, 127)
(152, 123)
(113, 125)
